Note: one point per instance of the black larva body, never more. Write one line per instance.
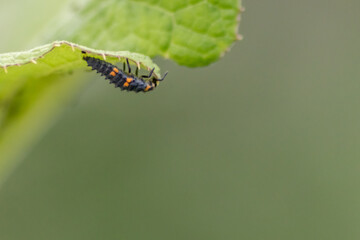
(118, 77)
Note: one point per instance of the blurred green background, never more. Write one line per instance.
(263, 144)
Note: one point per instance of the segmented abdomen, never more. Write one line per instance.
(118, 77)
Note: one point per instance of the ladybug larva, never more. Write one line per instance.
(120, 78)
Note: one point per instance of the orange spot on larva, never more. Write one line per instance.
(126, 84)
(113, 74)
(116, 70)
(147, 88)
(128, 79)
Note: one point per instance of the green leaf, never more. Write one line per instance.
(36, 84)
(192, 33)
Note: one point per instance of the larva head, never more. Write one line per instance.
(156, 81)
